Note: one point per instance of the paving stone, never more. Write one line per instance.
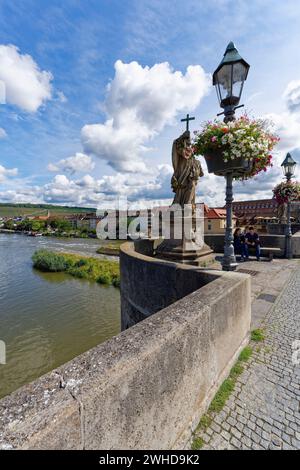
(251, 426)
(225, 435)
(266, 435)
(296, 444)
(255, 437)
(265, 443)
(215, 427)
(236, 443)
(236, 433)
(225, 426)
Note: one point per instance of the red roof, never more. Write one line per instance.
(214, 212)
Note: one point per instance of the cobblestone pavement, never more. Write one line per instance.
(263, 411)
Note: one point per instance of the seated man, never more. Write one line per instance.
(253, 242)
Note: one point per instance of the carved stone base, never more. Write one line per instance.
(188, 247)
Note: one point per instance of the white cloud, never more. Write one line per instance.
(287, 123)
(140, 102)
(5, 173)
(26, 86)
(61, 97)
(76, 163)
(30, 195)
(2, 133)
(292, 95)
(287, 127)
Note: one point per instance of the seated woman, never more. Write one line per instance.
(239, 243)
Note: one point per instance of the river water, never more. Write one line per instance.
(47, 319)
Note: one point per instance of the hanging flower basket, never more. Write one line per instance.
(242, 147)
(219, 165)
(287, 191)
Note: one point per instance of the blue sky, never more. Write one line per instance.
(50, 148)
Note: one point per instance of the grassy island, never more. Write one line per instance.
(102, 271)
(111, 249)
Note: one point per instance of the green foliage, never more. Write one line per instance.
(105, 278)
(103, 271)
(48, 261)
(251, 139)
(61, 225)
(257, 335)
(9, 225)
(116, 281)
(245, 354)
(204, 422)
(36, 225)
(15, 210)
(197, 443)
(111, 248)
(81, 262)
(222, 395)
(236, 370)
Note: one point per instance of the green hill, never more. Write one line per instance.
(15, 210)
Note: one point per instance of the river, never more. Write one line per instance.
(47, 319)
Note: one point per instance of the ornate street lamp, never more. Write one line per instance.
(288, 167)
(229, 78)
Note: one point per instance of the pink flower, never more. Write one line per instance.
(214, 139)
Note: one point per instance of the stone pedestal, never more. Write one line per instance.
(183, 239)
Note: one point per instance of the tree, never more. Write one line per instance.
(9, 225)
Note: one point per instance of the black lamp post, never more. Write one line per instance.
(288, 167)
(229, 80)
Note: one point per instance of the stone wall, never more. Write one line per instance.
(150, 284)
(296, 245)
(145, 388)
(216, 241)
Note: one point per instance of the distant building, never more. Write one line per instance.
(215, 220)
(39, 218)
(80, 221)
(253, 209)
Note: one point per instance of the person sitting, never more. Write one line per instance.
(252, 242)
(240, 244)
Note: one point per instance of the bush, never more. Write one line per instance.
(116, 282)
(102, 271)
(104, 278)
(48, 261)
(77, 272)
(81, 262)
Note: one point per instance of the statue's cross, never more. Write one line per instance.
(187, 120)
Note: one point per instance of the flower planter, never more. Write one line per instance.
(216, 164)
(218, 140)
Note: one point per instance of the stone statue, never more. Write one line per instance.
(187, 171)
(183, 240)
(281, 213)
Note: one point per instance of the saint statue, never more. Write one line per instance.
(281, 213)
(184, 240)
(187, 171)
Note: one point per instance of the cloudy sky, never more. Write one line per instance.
(92, 92)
